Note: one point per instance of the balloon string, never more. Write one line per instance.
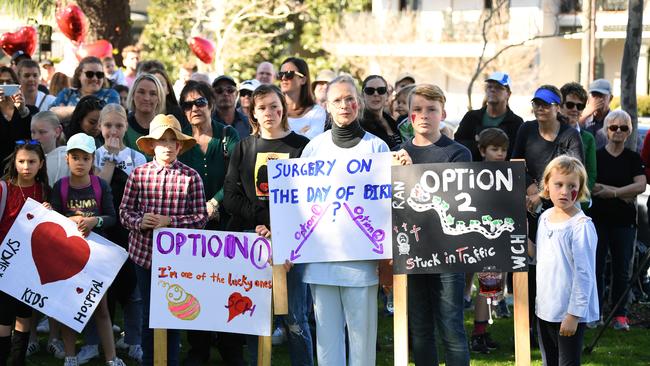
(489, 304)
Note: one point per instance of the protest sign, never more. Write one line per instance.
(46, 264)
(330, 210)
(211, 280)
(459, 217)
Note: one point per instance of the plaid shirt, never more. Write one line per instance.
(175, 191)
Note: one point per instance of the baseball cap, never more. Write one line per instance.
(81, 141)
(224, 77)
(500, 77)
(404, 75)
(250, 85)
(601, 86)
(547, 96)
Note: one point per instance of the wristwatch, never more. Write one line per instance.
(100, 222)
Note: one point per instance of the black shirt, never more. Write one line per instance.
(374, 126)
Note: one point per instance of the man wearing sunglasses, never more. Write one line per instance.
(496, 113)
(597, 108)
(225, 111)
(246, 90)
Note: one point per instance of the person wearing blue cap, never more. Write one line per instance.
(538, 142)
(494, 113)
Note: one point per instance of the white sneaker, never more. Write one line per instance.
(32, 348)
(279, 336)
(87, 353)
(43, 325)
(115, 362)
(135, 352)
(121, 344)
(55, 347)
(70, 361)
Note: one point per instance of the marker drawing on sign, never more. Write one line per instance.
(364, 223)
(307, 229)
(421, 201)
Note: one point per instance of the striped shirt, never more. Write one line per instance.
(175, 191)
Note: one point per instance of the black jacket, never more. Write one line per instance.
(472, 124)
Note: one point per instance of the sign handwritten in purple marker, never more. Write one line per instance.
(331, 210)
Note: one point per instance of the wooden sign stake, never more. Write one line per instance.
(160, 347)
(280, 300)
(400, 319)
(522, 326)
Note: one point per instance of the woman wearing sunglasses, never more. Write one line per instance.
(209, 157)
(88, 79)
(306, 117)
(620, 179)
(574, 98)
(146, 99)
(374, 119)
(538, 142)
(16, 115)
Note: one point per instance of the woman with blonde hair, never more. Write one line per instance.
(146, 99)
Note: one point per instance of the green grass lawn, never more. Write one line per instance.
(614, 348)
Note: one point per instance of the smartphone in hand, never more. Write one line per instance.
(10, 89)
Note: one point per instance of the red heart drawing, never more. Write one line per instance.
(238, 304)
(24, 39)
(29, 216)
(56, 256)
(79, 290)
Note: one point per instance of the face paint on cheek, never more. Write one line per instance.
(413, 117)
(574, 194)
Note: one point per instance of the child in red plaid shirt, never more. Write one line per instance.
(161, 193)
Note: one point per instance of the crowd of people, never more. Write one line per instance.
(148, 153)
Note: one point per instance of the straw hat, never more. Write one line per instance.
(160, 124)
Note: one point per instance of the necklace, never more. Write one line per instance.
(21, 192)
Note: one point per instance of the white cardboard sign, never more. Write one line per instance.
(45, 263)
(211, 280)
(331, 210)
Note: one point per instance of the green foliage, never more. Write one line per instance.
(643, 105)
(28, 8)
(164, 38)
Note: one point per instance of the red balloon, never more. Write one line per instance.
(24, 39)
(72, 22)
(203, 49)
(101, 49)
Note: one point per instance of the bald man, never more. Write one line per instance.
(265, 73)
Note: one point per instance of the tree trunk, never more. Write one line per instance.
(629, 65)
(109, 20)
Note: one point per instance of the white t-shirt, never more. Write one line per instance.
(127, 159)
(352, 273)
(311, 124)
(57, 167)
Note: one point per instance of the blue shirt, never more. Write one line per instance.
(70, 97)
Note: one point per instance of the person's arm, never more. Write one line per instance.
(645, 155)
(590, 160)
(583, 246)
(130, 216)
(108, 210)
(197, 215)
(235, 200)
(465, 134)
(231, 139)
(55, 197)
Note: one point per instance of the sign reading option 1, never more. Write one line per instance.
(459, 217)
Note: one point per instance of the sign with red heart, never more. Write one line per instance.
(47, 265)
(24, 39)
(211, 280)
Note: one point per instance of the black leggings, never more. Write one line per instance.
(559, 350)
(10, 308)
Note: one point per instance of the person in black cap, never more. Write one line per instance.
(495, 113)
(225, 111)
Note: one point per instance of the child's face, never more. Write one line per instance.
(494, 153)
(90, 124)
(45, 133)
(28, 163)
(426, 115)
(401, 108)
(563, 189)
(109, 66)
(79, 162)
(123, 96)
(166, 148)
(113, 125)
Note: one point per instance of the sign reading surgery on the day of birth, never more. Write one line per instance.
(459, 217)
(46, 264)
(331, 210)
(211, 280)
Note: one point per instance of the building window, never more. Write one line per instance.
(412, 5)
(570, 6)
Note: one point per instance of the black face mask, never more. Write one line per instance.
(347, 136)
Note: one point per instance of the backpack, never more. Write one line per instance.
(94, 182)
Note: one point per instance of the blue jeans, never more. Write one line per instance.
(435, 301)
(132, 322)
(173, 336)
(619, 240)
(299, 335)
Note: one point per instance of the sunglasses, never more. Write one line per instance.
(245, 93)
(370, 90)
(571, 105)
(32, 142)
(227, 90)
(199, 102)
(90, 74)
(540, 104)
(289, 74)
(614, 128)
